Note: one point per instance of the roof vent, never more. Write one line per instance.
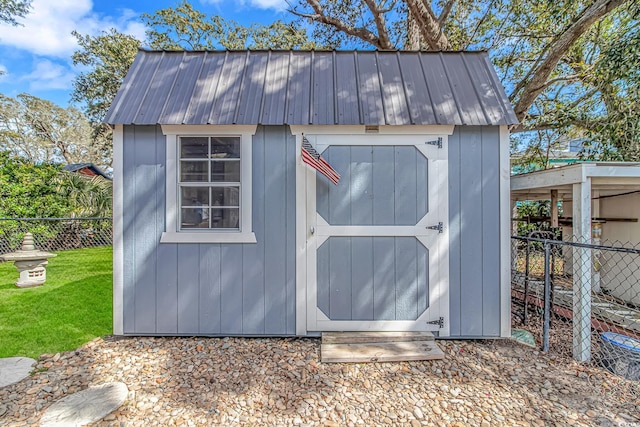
(371, 129)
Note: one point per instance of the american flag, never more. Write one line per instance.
(311, 157)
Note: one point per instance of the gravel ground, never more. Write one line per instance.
(278, 381)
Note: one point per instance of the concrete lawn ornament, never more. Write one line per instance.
(30, 262)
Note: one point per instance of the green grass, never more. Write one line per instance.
(70, 309)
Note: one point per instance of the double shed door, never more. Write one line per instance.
(377, 243)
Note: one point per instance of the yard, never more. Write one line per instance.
(70, 309)
(281, 381)
(221, 381)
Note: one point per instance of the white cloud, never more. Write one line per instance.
(46, 30)
(269, 4)
(47, 75)
(278, 5)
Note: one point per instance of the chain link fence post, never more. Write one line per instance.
(547, 297)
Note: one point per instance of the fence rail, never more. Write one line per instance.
(56, 234)
(580, 298)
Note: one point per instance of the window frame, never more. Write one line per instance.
(173, 233)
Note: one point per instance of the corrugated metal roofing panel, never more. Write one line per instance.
(444, 104)
(485, 92)
(156, 97)
(299, 94)
(323, 104)
(178, 100)
(117, 108)
(370, 90)
(203, 93)
(227, 93)
(509, 116)
(463, 90)
(252, 91)
(417, 92)
(134, 88)
(302, 87)
(346, 90)
(275, 91)
(394, 96)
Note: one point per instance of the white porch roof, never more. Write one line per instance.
(606, 178)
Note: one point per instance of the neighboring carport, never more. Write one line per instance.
(580, 184)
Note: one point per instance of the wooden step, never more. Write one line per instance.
(381, 352)
(374, 337)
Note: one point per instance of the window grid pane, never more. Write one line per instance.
(194, 171)
(195, 147)
(225, 171)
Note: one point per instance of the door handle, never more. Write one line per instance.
(312, 229)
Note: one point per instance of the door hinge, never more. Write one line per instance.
(437, 142)
(439, 227)
(439, 322)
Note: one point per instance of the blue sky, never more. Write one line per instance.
(36, 56)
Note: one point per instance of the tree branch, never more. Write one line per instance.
(389, 8)
(319, 16)
(446, 10)
(578, 101)
(378, 17)
(553, 125)
(572, 78)
(536, 83)
(481, 21)
(46, 133)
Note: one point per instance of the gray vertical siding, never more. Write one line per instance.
(379, 185)
(142, 168)
(209, 289)
(474, 231)
(373, 278)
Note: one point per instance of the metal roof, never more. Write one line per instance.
(311, 87)
(95, 170)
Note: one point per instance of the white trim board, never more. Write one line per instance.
(118, 229)
(350, 130)
(302, 172)
(172, 234)
(505, 234)
(324, 136)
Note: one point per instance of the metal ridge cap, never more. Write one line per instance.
(453, 51)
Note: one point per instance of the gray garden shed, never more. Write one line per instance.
(221, 229)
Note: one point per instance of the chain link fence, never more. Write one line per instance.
(579, 299)
(56, 234)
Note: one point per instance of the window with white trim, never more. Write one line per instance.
(208, 184)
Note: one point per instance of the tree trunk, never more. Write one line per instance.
(430, 28)
(414, 40)
(558, 49)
